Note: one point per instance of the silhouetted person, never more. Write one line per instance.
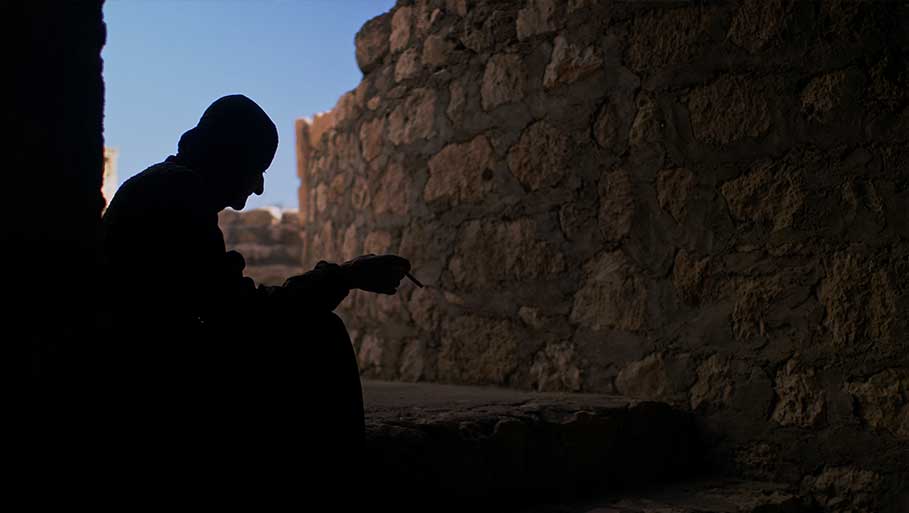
(206, 367)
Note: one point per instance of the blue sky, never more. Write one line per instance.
(165, 61)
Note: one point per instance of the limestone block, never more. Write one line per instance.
(883, 401)
(323, 245)
(461, 173)
(408, 65)
(801, 401)
(673, 187)
(844, 489)
(371, 134)
(828, 93)
(688, 275)
(490, 252)
(757, 22)
(457, 101)
(617, 205)
(377, 242)
(392, 193)
(504, 81)
(414, 119)
(715, 383)
(321, 197)
(570, 63)
(350, 243)
(769, 194)
(359, 194)
(457, 6)
(727, 110)
(538, 17)
(613, 295)
(424, 307)
(401, 24)
(436, 50)
(860, 301)
(478, 350)
(555, 369)
(644, 379)
(416, 361)
(665, 37)
(372, 43)
(540, 158)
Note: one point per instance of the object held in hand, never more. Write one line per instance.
(416, 281)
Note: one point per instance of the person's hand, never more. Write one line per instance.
(376, 273)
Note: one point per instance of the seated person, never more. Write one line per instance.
(196, 341)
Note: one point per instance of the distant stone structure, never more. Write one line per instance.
(269, 240)
(702, 204)
(110, 184)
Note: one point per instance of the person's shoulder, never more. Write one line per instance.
(165, 174)
(164, 185)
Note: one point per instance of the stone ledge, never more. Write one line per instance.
(698, 496)
(508, 449)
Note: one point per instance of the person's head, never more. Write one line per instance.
(232, 145)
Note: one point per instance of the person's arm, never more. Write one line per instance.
(327, 284)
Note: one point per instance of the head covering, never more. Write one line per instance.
(233, 132)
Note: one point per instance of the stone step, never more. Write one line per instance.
(506, 449)
(699, 496)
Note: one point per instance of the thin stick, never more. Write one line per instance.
(416, 281)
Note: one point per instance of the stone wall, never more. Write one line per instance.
(698, 203)
(269, 240)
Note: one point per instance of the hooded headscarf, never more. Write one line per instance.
(233, 131)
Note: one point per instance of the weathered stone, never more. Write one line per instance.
(457, 6)
(646, 138)
(392, 193)
(424, 307)
(688, 276)
(478, 350)
(570, 63)
(757, 22)
(359, 194)
(491, 252)
(801, 400)
(531, 316)
(369, 357)
(401, 23)
(346, 107)
(540, 158)
(883, 401)
(860, 301)
(727, 110)
(845, 489)
(644, 379)
(414, 119)
(483, 31)
(673, 187)
(665, 37)
(613, 125)
(555, 368)
(377, 242)
(323, 246)
(714, 385)
(616, 205)
(372, 43)
(408, 65)
(504, 81)
(350, 243)
(321, 197)
(828, 93)
(374, 103)
(437, 50)
(768, 194)
(537, 18)
(576, 219)
(426, 17)
(416, 362)
(613, 295)
(753, 299)
(371, 133)
(460, 172)
(457, 101)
